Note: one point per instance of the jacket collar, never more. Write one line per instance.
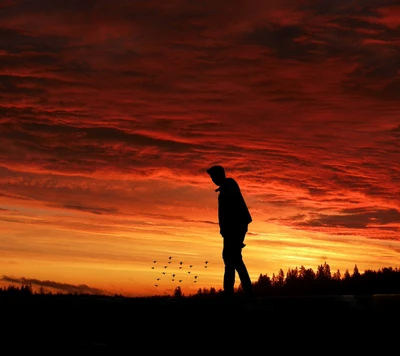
(221, 186)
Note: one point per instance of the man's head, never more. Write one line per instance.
(217, 174)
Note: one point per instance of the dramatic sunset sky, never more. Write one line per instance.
(111, 112)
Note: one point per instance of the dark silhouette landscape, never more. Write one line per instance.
(295, 282)
(299, 295)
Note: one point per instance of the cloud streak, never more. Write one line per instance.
(61, 287)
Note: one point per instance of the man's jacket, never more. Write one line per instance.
(233, 214)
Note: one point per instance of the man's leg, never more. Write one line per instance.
(229, 279)
(229, 261)
(242, 270)
(244, 276)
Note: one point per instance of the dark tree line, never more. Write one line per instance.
(296, 281)
(306, 281)
(13, 291)
(26, 290)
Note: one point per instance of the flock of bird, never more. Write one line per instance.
(174, 276)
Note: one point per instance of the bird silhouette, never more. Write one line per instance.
(173, 275)
(158, 279)
(195, 281)
(180, 280)
(180, 267)
(191, 266)
(154, 261)
(163, 273)
(195, 276)
(152, 267)
(189, 272)
(206, 262)
(165, 266)
(169, 261)
(170, 257)
(173, 279)
(156, 285)
(180, 263)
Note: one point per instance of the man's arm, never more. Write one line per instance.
(234, 216)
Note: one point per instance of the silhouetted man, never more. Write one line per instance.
(233, 217)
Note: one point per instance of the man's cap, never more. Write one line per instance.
(216, 170)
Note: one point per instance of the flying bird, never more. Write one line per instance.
(180, 280)
(180, 263)
(165, 266)
(163, 273)
(156, 285)
(173, 275)
(170, 257)
(195, 276)
(191, 266)
(158, 279)
(206, 262)
(152, 267)
(173, 279)
(154, 261)
(189, 272)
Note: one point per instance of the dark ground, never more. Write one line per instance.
(87, 323)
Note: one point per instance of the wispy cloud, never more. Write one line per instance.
(62, 287)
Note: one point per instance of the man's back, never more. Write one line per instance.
(232, 209)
